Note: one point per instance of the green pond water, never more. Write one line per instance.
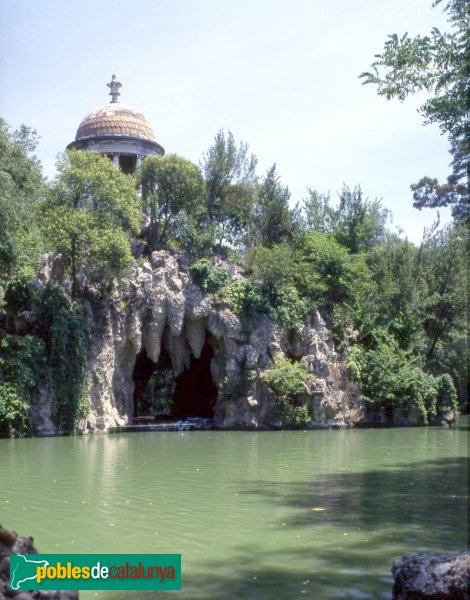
(239, 506)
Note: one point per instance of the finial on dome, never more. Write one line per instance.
(114, 86)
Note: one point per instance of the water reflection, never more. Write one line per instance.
(255, 515)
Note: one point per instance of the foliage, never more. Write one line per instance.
(245, 298)
(159, 392)
(289, 380)
(15, 420)
(443, 272)
(326, 273)
(172, 196)
(272, 219)
(396, 299)
(229, 172)
(89, 216)
(319, 215)
(392, 377)
(68, 359)
(274, 268)
(22, 186)
(358, 223)
(207, 277)
(55, 358)
(401, 307)
(289, 308)
(23, 370)
(19, 294)
(439, 64)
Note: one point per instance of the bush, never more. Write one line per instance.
(209, 278)
(15, 418)
(289, 380)
(289, 309)
(23, 370)
(19, 294)
(23, 364)
(245, 299)
(390, 376)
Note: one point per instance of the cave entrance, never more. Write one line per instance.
(196, 393)
(154, 386)
(159, 396)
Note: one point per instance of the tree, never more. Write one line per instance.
(396, 303)
(443, 271)
(172, 196)
(21, 187)
(272, 218)
(89, 216)
(328, 275)
(318, 214)
(439, 64)
(230, 177)
(358, 224)
(275, 268)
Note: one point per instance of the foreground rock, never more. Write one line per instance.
(10, 543)
(432, 577)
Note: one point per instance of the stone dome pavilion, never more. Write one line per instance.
(119, 131)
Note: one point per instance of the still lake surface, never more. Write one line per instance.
(262, 515)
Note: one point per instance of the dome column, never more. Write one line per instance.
(119, 132)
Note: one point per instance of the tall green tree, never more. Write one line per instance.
(273, 221)
(395, 305)
(318, 214)
(90, 215)
(438, 63)
(358, 223)
(21, 188)
(443, 272)
(230, 174)
(172, 198)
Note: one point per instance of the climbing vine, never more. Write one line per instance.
(23, 371)
(53, 357)
(68, 359)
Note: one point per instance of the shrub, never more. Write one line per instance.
(23, 370)
(289, 380)
(209, 278)
(390, 376)
(15, 418)
(245, 298)
(19, 294)
(23, 364)
(289, 309)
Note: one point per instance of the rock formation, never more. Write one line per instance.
(10, 543)
(433, 576)
(158, 306)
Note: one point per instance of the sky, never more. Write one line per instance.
(282, 75)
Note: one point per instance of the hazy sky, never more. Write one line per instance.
(281, 75)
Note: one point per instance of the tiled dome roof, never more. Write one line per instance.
(115, 119)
